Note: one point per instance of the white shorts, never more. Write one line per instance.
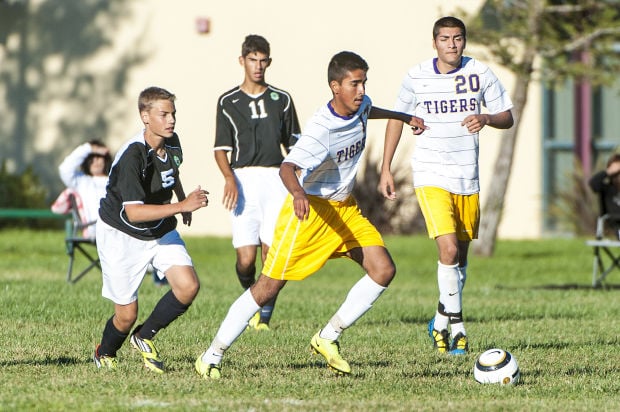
(125, 260)
(261, 195)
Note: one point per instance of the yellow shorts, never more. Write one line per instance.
(300, 248)
(446, 212)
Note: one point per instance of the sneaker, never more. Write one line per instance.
(330, 350)
(256, 324)
(440, 338)
(207, 371)
(104, 361)
(149, 353)
(459, 345)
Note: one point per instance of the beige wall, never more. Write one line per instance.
(391, 36)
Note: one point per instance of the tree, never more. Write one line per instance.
(50, 76)
(518, 34)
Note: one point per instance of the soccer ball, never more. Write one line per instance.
(497, 366)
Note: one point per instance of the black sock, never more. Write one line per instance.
(112, 339)
(166, 311)
(246, 279)
(267, 311)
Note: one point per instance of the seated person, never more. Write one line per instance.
(85, 172)
(607, 184)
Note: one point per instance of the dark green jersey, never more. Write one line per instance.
(254, 128)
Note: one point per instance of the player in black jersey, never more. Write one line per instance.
(256, 124)
(137, 228)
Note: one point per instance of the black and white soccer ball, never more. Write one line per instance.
(497, 366)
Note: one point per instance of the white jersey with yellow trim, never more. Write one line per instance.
(329, 150)
(446, 155)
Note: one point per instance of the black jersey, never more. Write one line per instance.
(138, 175)
(254, 128)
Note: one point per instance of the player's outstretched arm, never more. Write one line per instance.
(416, 123)
(137, 212)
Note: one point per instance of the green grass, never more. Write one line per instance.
(533, 298)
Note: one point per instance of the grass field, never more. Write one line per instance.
(533, 298)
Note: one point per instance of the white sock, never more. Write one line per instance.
(449, 293)
(462, 276)
(233, 325)
(449, 287)
(358, 301)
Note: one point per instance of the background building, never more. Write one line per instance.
(72, 71)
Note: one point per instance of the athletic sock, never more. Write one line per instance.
(358, 301)
(462, 276)
(166, 311)
(449, 294)
(267, 311)
(246, 279)
(112, 339)
(233, 325)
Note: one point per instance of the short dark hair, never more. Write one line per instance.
(342, 63)
(255, 43)
(107, 158)
(150, 95)
(448, 21)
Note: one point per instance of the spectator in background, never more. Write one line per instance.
(85, 173)
(607, 184)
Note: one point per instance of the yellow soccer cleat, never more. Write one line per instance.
(104, 361)
(330, 350)
(207, 370)
(149, 353)
(439, 338)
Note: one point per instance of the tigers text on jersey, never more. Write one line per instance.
(446, 155)
(138, 175)
(329, 150)
(254, 128)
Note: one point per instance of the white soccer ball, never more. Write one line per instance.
(497, 366)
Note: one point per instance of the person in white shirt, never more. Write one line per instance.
(85, 171)
(448, 92)
(320, 219)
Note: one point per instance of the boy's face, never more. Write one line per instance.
(160, 118)
(255, 64)
(349, 93)
(450, 44)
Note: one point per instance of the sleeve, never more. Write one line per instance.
(223, 129)
(310, 150)
(131, 169)
(496, 98)
(69, 168)
(291, 129)
(597, 181)
(406, 101)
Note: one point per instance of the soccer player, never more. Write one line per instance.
(320, 219)
(448, 92)
(255, 123)
(137, 227)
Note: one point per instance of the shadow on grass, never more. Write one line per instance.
(62, 361)
(567, 286)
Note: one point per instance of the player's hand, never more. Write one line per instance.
(475, 122)
(231, 194)
(386, 185)
(194, 201)
(301, 205)
(187, 218)
(417, 125)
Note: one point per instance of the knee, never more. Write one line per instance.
(189, 291)
(449, 254)
(124, 320)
